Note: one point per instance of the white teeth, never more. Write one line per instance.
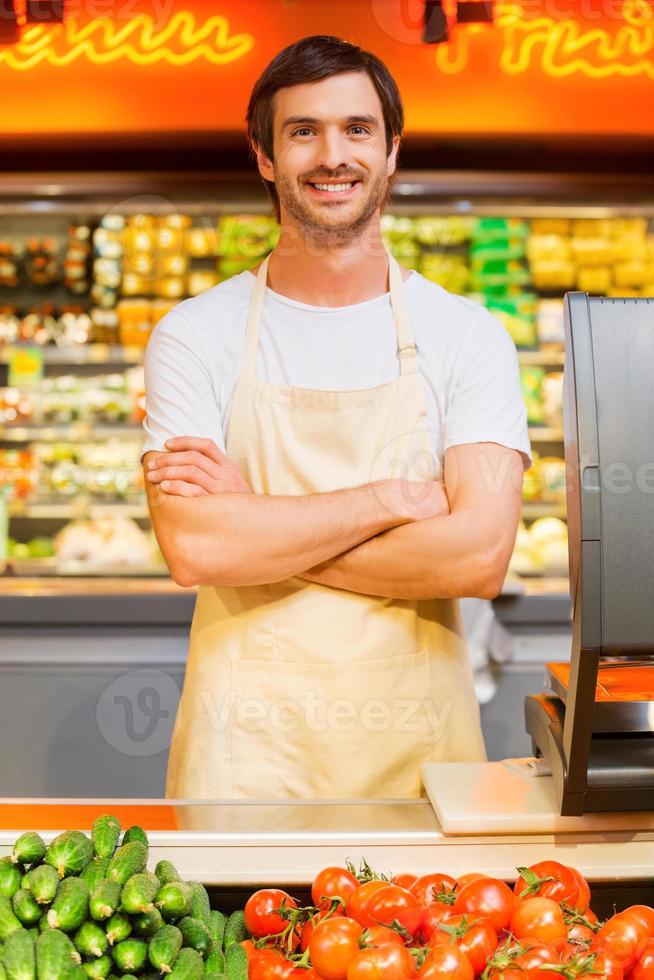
(334, 188)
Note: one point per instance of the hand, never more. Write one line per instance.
(415, 500)
(195, 468)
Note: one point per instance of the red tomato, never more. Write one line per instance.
(489, 898)
(357, 902)
(605, 967)
(466, 879)
(310, 925)
(644, 967)
(446, 963)
(268, 964)
(621, 936)
(332, 883)
(476, 939)
(390, 962)
(335, 942)
(583, 899)
(428, 888)
(580, 931)
(381, 936)
(535, 954)
(404, 880)
(261, 915)
(249, 948)
(432, 915)
(302, 973)
(393, 904)
(645, 914)
(548, 879)
(539, 918)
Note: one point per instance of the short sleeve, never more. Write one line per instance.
(180, 395)
(486, 404)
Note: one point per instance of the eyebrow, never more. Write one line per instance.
(312, 121)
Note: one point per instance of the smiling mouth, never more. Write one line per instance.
(335, 188)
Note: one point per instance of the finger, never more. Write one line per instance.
(188, 474)
(178, 488)
(188, 458)
(206, 446)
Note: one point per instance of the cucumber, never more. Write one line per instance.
(148, 923)
(55, 954)
(217, 923)
(236, 963)
(195, 934)
(188, 965)
(166, 871)
(127, 861)
(200, 906)
(26, 908)
(164, 947)
(8, 921)
(104, 835)
(18, 956)
(131, 955)
(95, 871)
(30, 848)
(70, 906)
(235, 930)
(69, 853)
(11, 877)
(214, 965)
(135, 833)
(118, 928)
(42, 882)
(104, 900)
(3, 973)
(138, 893)
(91, 939)
(174, 899)
(98, 969)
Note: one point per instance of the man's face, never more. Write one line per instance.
(330, 134)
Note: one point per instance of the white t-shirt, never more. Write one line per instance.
(467, 361)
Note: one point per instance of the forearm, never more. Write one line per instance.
(252, 539)
(445, 557)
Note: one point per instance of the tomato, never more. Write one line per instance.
(357, 902)
(446, 963)
(404, 880)
(535, 954)
(605, 967)
(583, 898)
(644, 967)
(302, 973)
(580, 931)
(476, 939)
(332, 883)
(645, 914)
(249, 948)
(381, 936)
(431, 916)
(428, 888)
(548, 879)
(268, 964)
(261, 917)
(621, 936)
(310, 925)
(382, 963)
(539, 918)
(466, 879)
(393, 904)
(335, 942)
(489, 898)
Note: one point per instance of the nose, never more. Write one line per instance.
(333, 152)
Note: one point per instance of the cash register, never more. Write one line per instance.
(593, 726)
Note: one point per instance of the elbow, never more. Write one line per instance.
(490, 576)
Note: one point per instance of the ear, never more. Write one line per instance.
(391, 162)
(264, 164)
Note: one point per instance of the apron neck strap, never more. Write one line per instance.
(406, 346)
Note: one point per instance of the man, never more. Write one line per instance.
(334, 455)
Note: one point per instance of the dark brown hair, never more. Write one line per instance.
(309, 60)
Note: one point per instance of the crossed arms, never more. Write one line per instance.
(391, 538)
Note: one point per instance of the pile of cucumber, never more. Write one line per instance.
(88, 909)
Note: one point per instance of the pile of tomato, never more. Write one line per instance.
(366, 926)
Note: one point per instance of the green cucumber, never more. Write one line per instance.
(174, 899)
(30, 848)
(188, 965)
(74, 972)
(236, 963)
(164, 947)
(195, 934)
(26, 908)
(3, 974)
(135, 833)
(98, 969)
(11, 877)
(217, 923)
(18, 956)
(166, 871)
(70, 906)
(147, 923)
(131, 955)
(235, 930)
(90, 939)
(104, 900)
(55, 954)
(94, 872)
(127, 861)
(8, 921)
(139, 892)
(118, 928)
(200, 906)
(105, 833)
(214, 965)
(69, 853)
(42, 882)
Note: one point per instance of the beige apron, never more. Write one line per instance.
(300, 690)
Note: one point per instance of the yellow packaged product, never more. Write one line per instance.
(134, 322)
(552, 470)
(634, 274)
(592, 251)
(201, 280)
(132, 285)
(542, 247)
(592, 228)
(551, 226)
(170, 287)
(549, 274)
(201, 243)
(594, 279)
(629, 228)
